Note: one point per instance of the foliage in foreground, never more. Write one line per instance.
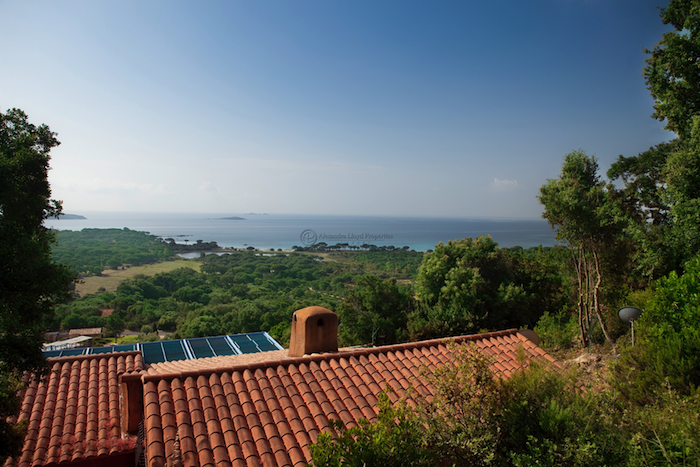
(539, 416)
(667, 357)
(394, 440)
(32, 283)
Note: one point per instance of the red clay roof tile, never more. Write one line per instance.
(265, 409)
(270, 412)
(63, 410)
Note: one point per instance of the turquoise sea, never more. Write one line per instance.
(285, 231)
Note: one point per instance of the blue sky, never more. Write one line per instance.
(392, 108)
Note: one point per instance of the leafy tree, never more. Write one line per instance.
(661, 198)
(671, 74)
(375, 311)
(578, 206)
(468, 285)
(31, 282)
(643, 204)
(115, 324)
(660, 204)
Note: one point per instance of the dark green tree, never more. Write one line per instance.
(578, 206)
(672, 74)
(375, 311)
(661, 198)
(660, 203)
(643, 205)
(468, 285)
(32, 284)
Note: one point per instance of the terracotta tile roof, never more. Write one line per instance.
(269, 412)
(74, 413)
(240, 410)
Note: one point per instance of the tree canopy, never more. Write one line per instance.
(32, 283)
(671, 73)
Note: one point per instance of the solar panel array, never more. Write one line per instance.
(185, 349)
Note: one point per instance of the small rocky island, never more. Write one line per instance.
(233, 218)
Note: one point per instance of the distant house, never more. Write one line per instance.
(52, 336)
(267, 408)
(91, 332)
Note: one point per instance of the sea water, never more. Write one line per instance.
(264, 231)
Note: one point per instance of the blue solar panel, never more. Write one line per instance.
(174, 350)
(255, 342)
(244, 343)
(166, 351)
(221, 346)
(113, 348)
(64, 352)
(201, 348)
(263, 342)
(152, 352)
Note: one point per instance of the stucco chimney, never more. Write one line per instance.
(131, 401)
(314, 330)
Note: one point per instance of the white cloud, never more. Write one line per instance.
(503, 185)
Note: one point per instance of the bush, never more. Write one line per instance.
(547, 418)
(665, 435)
(669, 344)
(461, 415)
(645, 372)
(557, 331)
(396, 439)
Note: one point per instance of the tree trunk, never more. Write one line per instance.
(586, 292)
(581, 308)
(596, 304)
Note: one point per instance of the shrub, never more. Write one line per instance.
(460, 416)
(644, 372)
(668, 434)
(548, 419)
(669, 344)
(557, 330)
(396, 439)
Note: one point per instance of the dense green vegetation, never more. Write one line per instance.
(31, 283)
(470, 285)
(245, 291)
(91, 251)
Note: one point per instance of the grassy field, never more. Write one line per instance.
(110, 278)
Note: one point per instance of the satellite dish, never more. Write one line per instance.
(629, 314)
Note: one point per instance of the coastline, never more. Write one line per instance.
(285, 232)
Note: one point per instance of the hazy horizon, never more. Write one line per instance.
(295, 214)
(425, 109)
